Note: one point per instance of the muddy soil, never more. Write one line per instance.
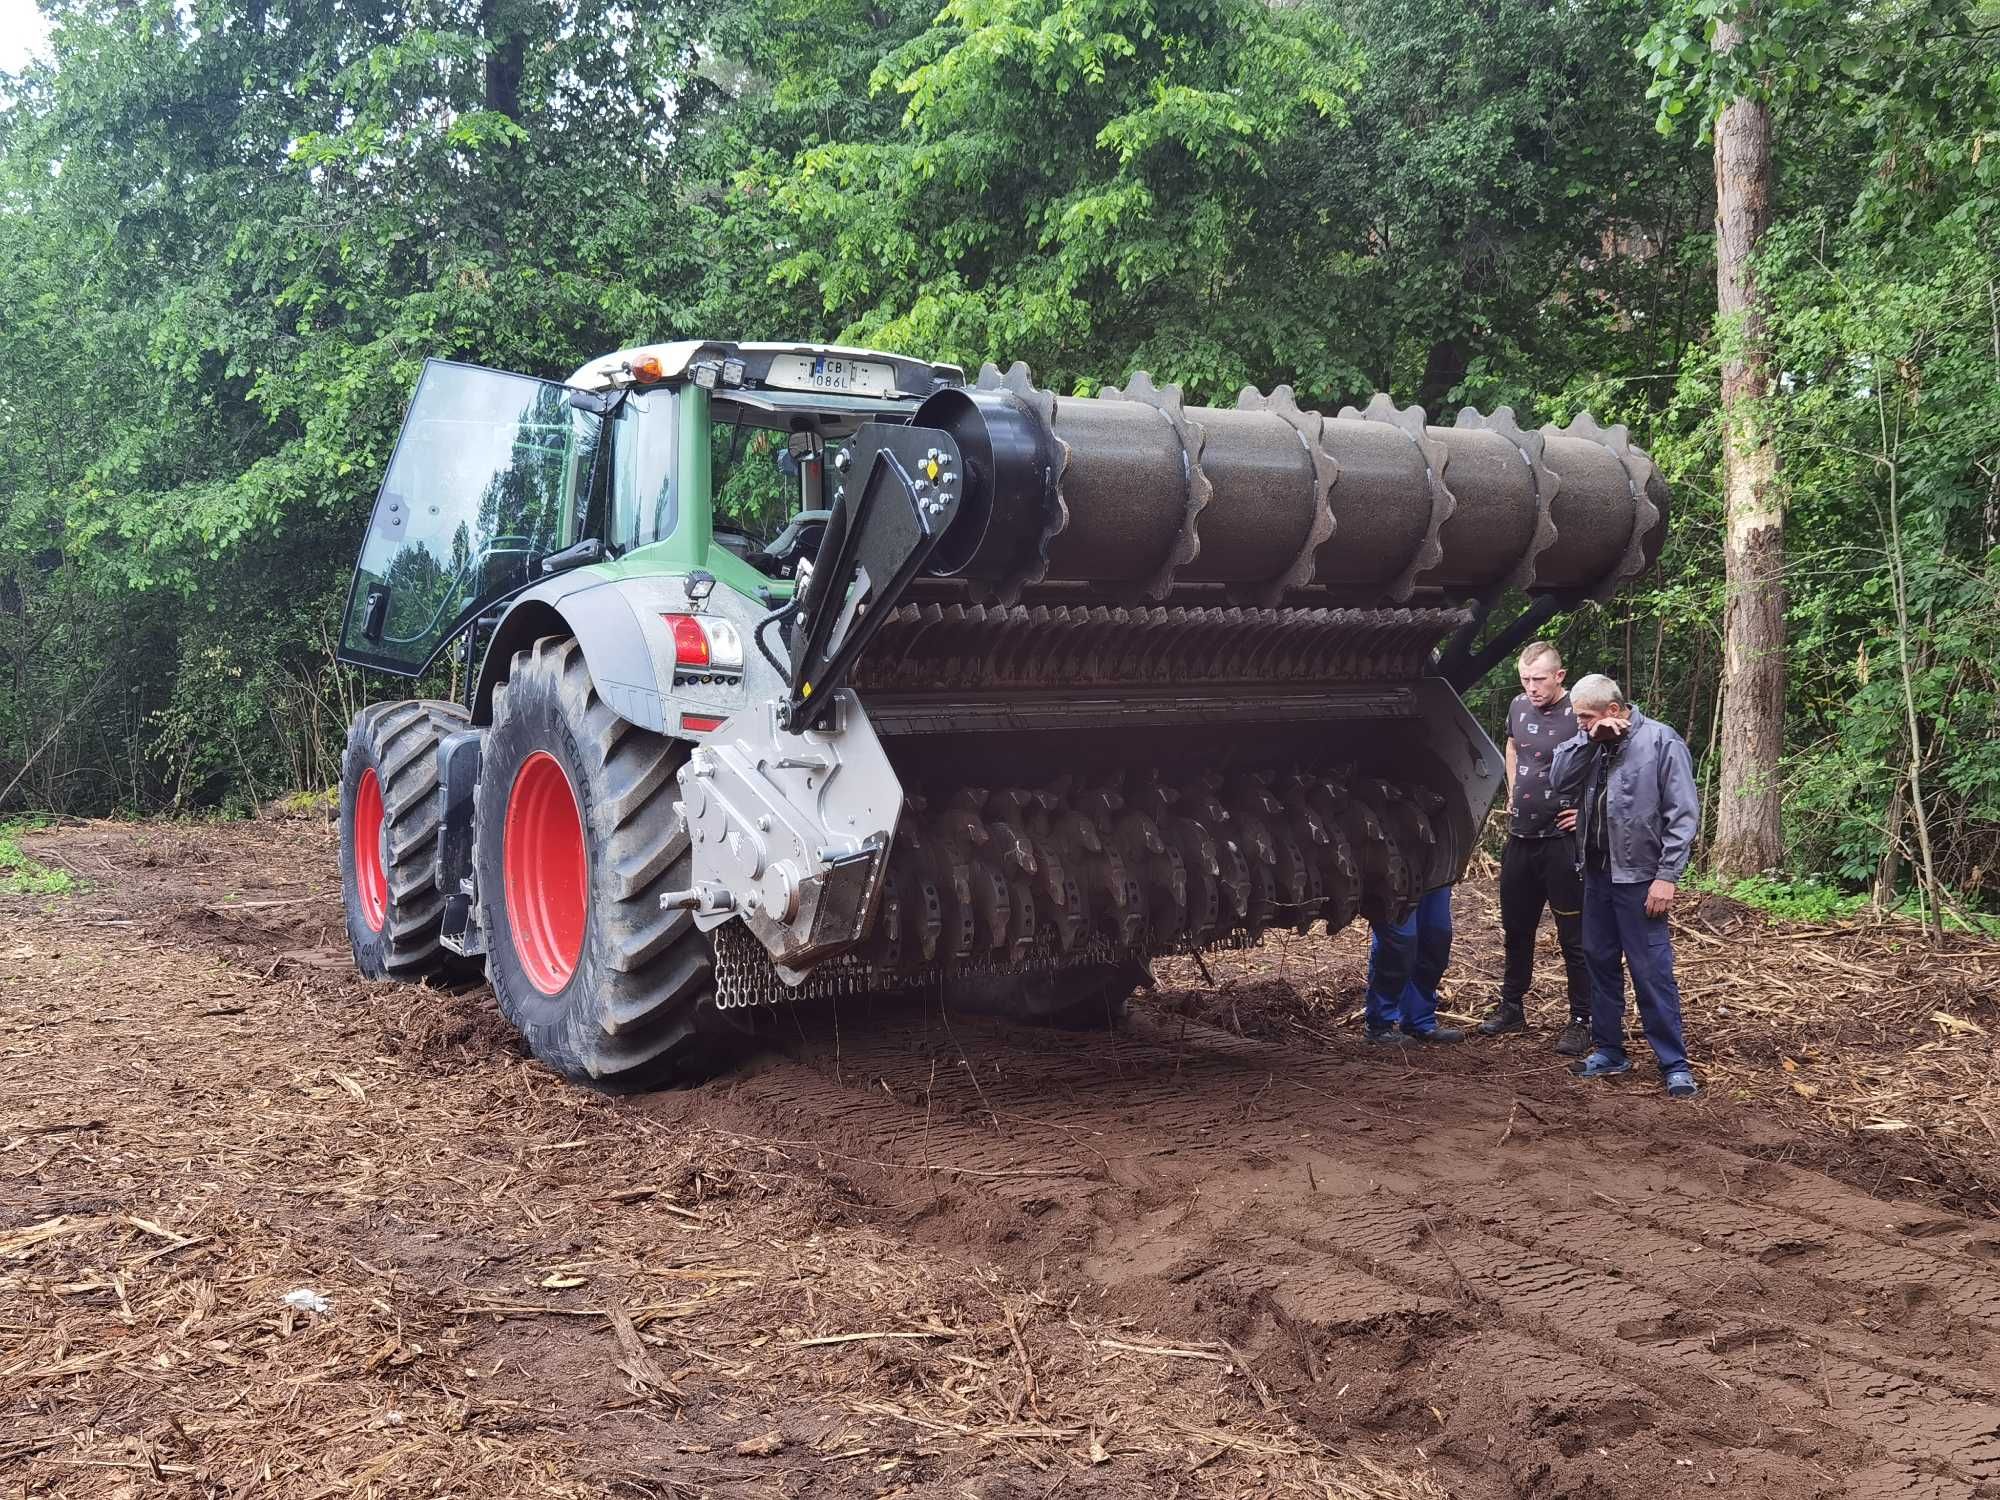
(1228, 1249)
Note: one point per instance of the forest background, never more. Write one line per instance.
(232, 230)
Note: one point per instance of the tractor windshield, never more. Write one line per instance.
(485, 482)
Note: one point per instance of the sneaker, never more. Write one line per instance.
(1575, 1039)
(1503, 1019)
(1681, 1084)
(1385, 1036)
(1602, 1064)
(1437, 1034)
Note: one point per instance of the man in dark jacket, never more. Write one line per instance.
(1631, 780)
(1538, 862)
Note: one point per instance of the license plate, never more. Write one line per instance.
(826, 372)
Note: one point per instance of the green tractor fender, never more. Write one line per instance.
(622, 619)
(618, 646)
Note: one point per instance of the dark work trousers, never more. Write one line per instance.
(1535, 873)
(1615, 928)
(1405, 963)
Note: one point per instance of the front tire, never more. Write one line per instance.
(575, 839)
(389, 822)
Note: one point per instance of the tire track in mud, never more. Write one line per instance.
(1543, 1318)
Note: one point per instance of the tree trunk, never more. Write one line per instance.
(1748, 835)
(1444, 371)
(1888, 869)
(500, 26)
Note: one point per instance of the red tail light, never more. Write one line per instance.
(690, 641)
(706, 643)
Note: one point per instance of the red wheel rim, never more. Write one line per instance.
(543, 865)
(371, 876)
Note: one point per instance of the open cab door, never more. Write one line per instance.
(490, 475)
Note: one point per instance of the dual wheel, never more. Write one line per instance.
(575, 838)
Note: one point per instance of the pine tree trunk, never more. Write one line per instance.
(1748, 834)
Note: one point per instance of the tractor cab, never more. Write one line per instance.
(673, 456)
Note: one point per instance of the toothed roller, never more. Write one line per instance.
(1192, 436)
(1137, 496)
(1073, 871)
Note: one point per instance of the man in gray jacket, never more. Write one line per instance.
(1631, 781)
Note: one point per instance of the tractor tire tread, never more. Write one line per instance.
(398, 741)
(640, 1010)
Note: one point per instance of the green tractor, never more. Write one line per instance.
(1025, 692)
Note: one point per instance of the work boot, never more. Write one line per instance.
(1502, 1019)
(1575, 1039)
(1386, 1036)
(1438, 1034)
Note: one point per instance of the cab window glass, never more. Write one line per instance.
(644, 491)
(482, 486)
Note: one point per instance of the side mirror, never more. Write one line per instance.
(598, 403)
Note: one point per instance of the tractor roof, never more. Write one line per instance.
(727, 363)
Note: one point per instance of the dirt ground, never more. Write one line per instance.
(267, 1229)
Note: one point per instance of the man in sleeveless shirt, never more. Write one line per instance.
(1538, 864)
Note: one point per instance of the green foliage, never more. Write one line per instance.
(23, 875)
(1802, 900)
(231, 230)
(1067, 171)
(1806, 899)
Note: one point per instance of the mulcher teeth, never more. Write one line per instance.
(1137, 865)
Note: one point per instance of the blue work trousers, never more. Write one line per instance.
(1617, 935)
(1405, 963)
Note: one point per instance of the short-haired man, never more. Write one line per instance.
(1632, 781)
(1538, 863)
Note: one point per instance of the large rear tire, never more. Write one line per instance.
(575, 839)
(389, 821)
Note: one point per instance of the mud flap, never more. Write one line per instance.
(451, 870)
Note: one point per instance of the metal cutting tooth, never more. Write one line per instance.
(1063, 908)
(1161, 874)
(1025, 924)
(1018, 819)
(1195, 853)
(958, 917)
(1276, 886)
(1414, 834)
(1101, 807)
(1389, 882)
(1384, 879)
(1099, 873)
(1199, 802)
(920, 919)
(993, 899)
(1340, 872)
(1309, 833)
